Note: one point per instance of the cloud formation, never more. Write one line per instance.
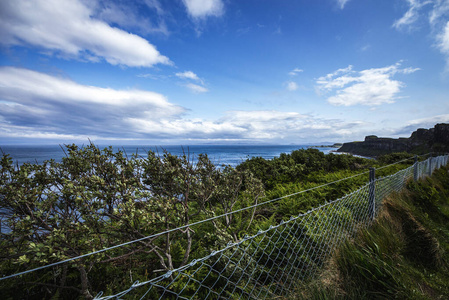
(196, 88)
(443, 41)
(127, 15)
(289, 126)
(66, 28)
(38, 105)
(423, 123)
(437, 18)
(439, 11)
(292, 86)
(250, 126)
(342, 3)
(368, 87)
(188, 75)
(33, 101)
(204, 8)
(295, 72)
(411, 15)
(193, 87)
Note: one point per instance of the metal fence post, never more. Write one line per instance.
(430, 166)
(415, 169)
(372, 198)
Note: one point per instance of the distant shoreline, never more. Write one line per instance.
(336, 145)
(221, 154)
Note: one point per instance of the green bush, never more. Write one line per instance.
(95, 199)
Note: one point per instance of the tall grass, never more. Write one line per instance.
(403, 255)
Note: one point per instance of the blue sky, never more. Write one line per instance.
(221, 71)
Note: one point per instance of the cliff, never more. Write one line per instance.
(421, 141)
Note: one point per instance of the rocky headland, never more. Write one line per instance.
(420, 142)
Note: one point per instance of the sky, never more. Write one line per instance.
(221, 71)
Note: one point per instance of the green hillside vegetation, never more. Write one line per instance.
(403, 255)
(96, 198)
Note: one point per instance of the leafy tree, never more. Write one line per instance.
(97, 198)
(94, 199)
(395, 157)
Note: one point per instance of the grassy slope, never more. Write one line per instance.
(403, 255)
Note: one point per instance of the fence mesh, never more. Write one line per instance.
(270, 262)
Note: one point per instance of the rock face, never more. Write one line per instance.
(421, 141)
(442, 134)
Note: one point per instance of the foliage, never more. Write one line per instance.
(403, 255)
(394, 157)
(95, 199)
(294, 167)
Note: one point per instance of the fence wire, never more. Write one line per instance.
(270, 263)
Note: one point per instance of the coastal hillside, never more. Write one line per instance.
(420, 142)
(93, 199)
(403, 255)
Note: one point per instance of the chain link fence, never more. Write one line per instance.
(272, 261)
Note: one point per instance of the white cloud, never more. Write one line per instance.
(37, 105)
(295, 72)
(127, 15)
(443, 41)
(11, 131)
(342, 3)
(43, 103)
(204, 8)
(186, 129)
(409, 70)
(156, 5)
(438, 16)
(368, 87)
(268, 125)
(24, 86)
(188, 75)
(292, 86)
(65, 27)
(289, 126)
(338, 72)
(411, 15)
(196, 88)
(439, 11)
(428, 122)
(153, 76)
(438, 19)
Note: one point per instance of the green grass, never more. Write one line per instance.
(403, 255)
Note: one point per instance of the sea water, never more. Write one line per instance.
(219, 154)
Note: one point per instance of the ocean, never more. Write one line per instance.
(219, 154)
